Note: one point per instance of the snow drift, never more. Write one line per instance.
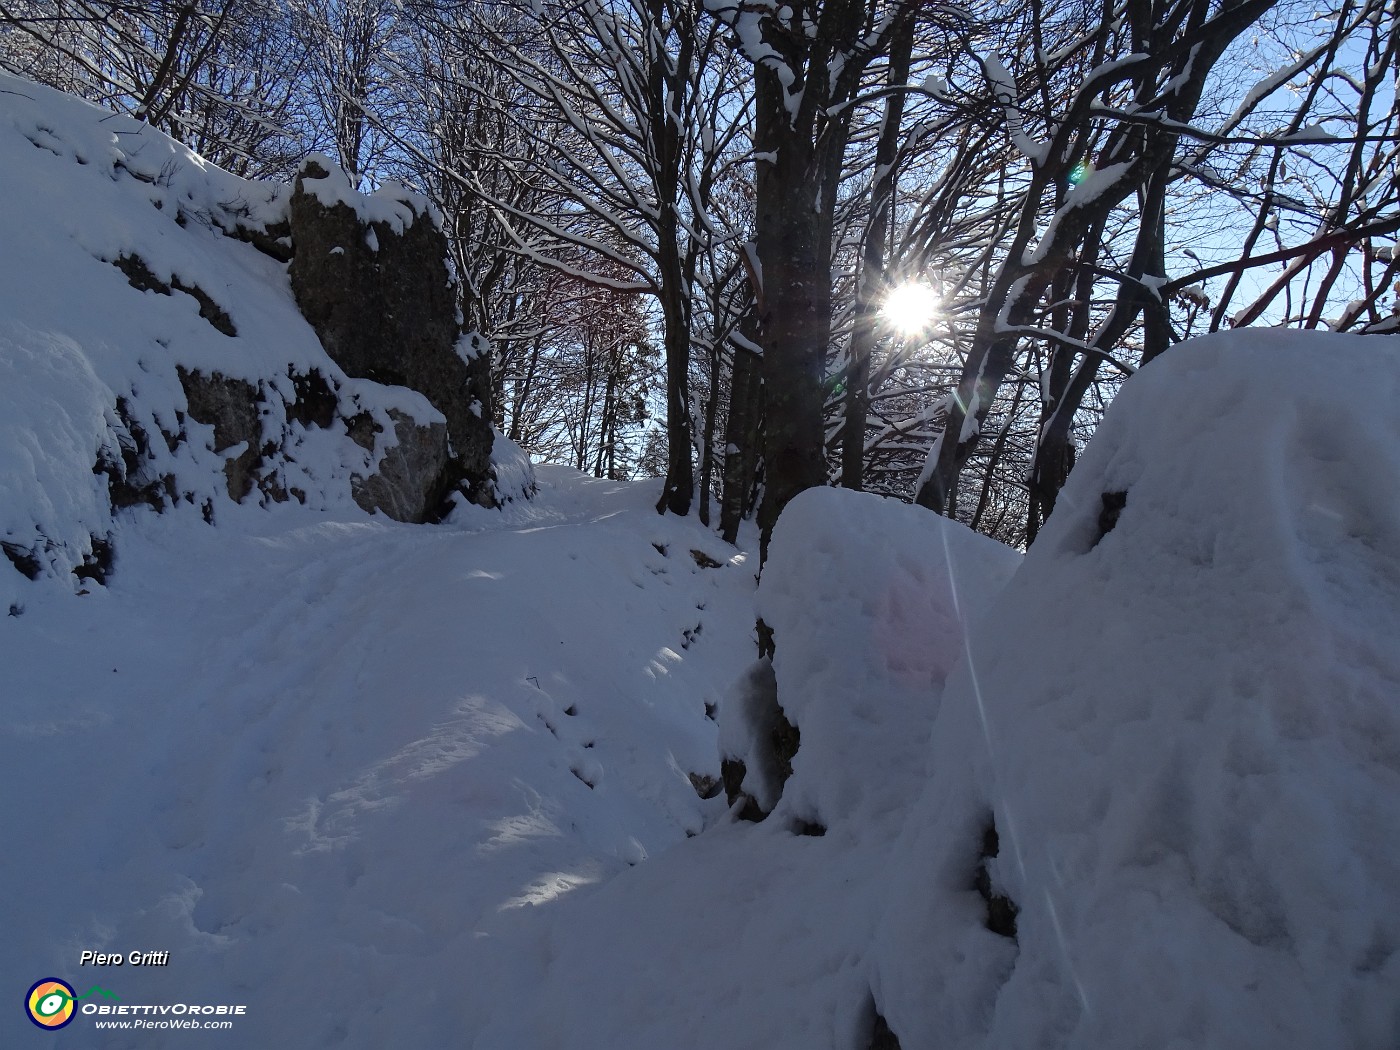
(759, 935)
(1182, 718)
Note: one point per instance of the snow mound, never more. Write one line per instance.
(867, 599)
(512, 471)
(1182, 718)
(48, 439)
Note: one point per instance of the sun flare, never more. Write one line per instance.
(910, 307)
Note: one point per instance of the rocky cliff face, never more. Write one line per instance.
(370, 274)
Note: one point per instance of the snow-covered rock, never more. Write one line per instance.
(868, 600)
(152, 354)
(382, 298)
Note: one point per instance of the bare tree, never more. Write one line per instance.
(810, 63)
(223, 77)
(1131, 85)
(350, 44)
(629, 116)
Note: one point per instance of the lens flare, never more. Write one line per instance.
(910, 307)
(1080, 172)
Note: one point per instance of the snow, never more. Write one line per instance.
(47, 441)
(1269, 84)
(342, 763)
(935, 85)
(1004, 92)
(752, 936)
(1310, 134)
(119, 147)
(1185, 734)
(512, 469)
(1096, 183)
(747, 21)
(1196, 294)
(867, 598)
(392, 203)
(1187, 731)
(471, 345)
(396, 785)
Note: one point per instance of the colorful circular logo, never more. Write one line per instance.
(50, 1003)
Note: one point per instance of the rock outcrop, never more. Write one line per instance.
(154, 355)
(415, 474)
(370, 274)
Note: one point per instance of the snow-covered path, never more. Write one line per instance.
(327, 764)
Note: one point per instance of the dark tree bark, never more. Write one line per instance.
(675, 276)
(742, 437)
(707, 436)
(810, 64)
(793, 239)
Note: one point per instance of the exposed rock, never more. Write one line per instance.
(361, 429)
(140, 277)
(705, 785)
(1001, 909)
(230, 406)
(382, 300)
(22, 558)
(1113, 504)
(881, 1038)
(315, 403)
(97, 563)
(265, 415)
(732, 772)
(274, 240)
(757, 742)
(131, 481)
(414, 475)
(704, 561)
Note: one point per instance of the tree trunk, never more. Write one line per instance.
(741, 435)
(707, 436)
(664, 86)
(679, 488)
(793, 241)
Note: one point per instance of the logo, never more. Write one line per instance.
(50, 1003)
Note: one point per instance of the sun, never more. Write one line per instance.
(910, 307)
